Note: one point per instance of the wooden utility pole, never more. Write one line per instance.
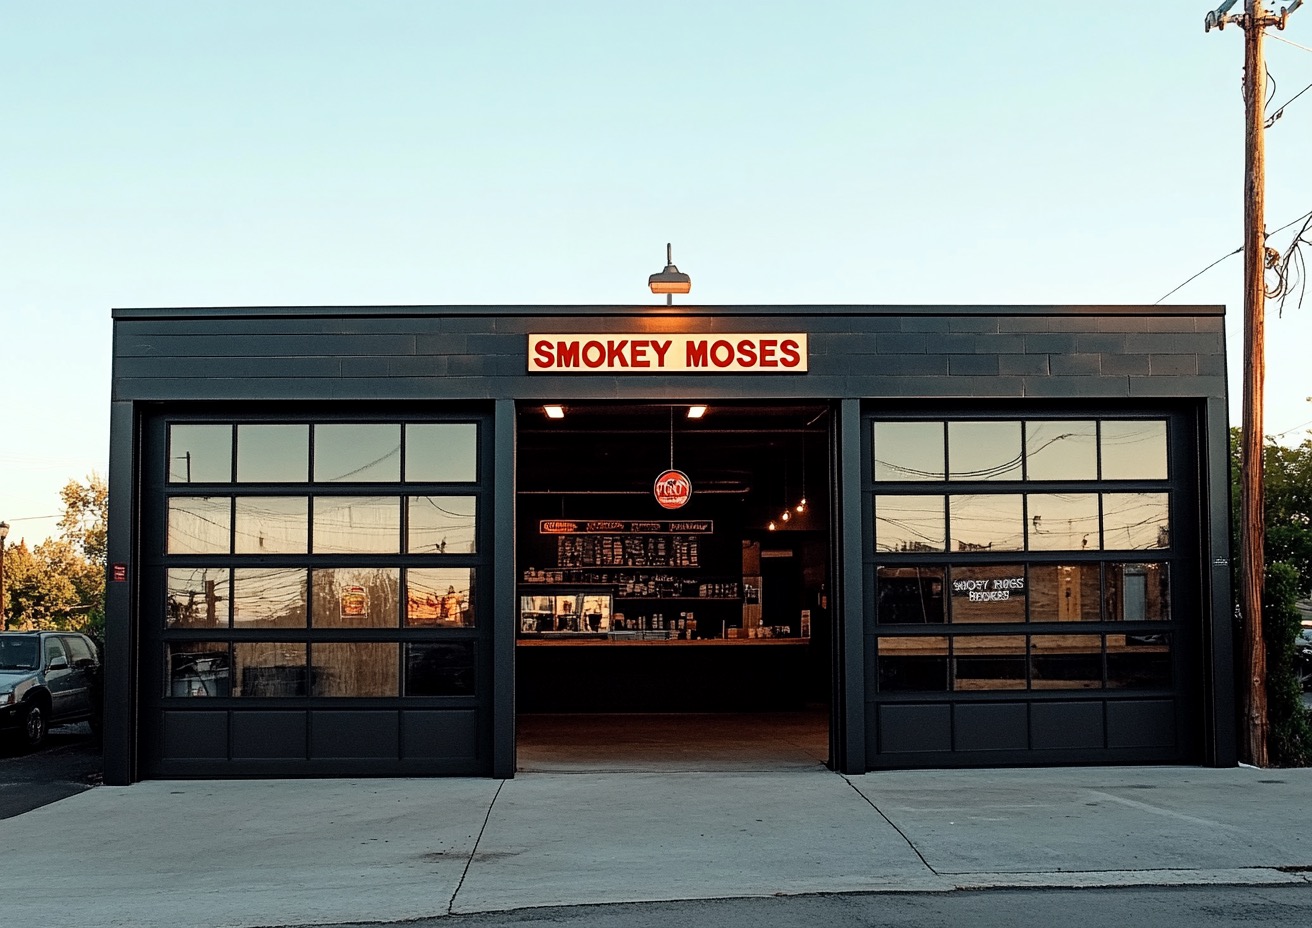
(1252, 527)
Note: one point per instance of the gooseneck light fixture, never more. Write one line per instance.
(671, 280)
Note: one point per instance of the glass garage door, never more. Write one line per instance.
(1031, 590)
(315, 600)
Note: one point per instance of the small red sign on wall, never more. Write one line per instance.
(118, 573)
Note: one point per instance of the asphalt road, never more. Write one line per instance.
(1183, 907)
(69, 762)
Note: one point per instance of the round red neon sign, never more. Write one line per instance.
(673, 489)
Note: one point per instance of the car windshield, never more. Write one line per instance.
(18, 653)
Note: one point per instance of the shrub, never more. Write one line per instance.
(1290, 736)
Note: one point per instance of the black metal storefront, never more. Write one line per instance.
(339, 604)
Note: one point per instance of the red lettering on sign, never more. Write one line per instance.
(730, 351)
(567, 354)
(615, 356)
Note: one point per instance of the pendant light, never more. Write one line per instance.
(801, 503)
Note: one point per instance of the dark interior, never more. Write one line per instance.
(746, 628)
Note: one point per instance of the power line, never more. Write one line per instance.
(1272, 35)
(1281, 111)
(1231, 254)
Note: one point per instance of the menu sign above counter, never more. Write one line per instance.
(668, 353)
(624, 527)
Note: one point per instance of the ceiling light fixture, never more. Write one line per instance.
(696, 412)
(554, 411)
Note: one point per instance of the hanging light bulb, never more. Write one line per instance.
(786, 515)
(771, 526)
(801, 504)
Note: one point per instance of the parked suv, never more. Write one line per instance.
(1303, 656)
(47, 678)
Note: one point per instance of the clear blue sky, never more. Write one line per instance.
(222, 153)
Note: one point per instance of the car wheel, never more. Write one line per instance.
(34, 726)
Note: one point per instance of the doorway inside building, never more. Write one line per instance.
(674, 566)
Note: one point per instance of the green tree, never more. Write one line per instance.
(1290, 741)
(1287, 487)
(85, 525)
(38, 589)
(85, 520)
(60, 583)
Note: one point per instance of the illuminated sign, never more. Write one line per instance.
(669, 353)
(673, 489)
(995, 590)
(618, 526)
(354, 602)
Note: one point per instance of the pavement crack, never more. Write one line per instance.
(473, 851)
(891, 824)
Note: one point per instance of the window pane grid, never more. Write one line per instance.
(1057, 582)
(1033, 662)
(314, 592)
